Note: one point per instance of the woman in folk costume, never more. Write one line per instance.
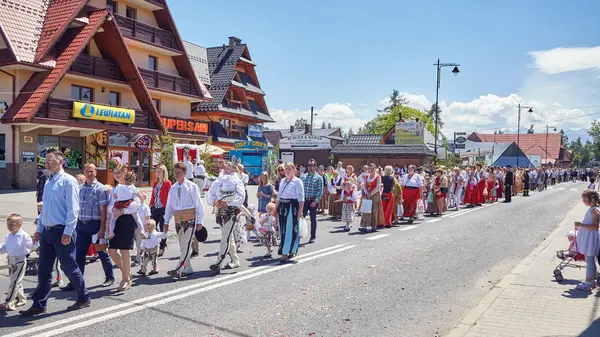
(440, 190)
(525, 182)
(412, 184)
(491, 186)
(326, 179)
(481, 184)
(290, 204)
(371, 192)
(387, 198)
(397, 192)
(471, 195)
(458, 186)
(348, 199)
(500, 180)
(335, 188)
(351, 177)
(227, 194)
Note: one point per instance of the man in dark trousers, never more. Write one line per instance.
(508, 184)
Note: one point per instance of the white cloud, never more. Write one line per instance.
(560, 60)
(338, 114)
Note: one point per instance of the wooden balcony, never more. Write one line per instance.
(96, 66)
(62, 109)
(147, 33)
(160, 81)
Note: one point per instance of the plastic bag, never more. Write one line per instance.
(302, 228)
(420, 207)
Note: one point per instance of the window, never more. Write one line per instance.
(114, 98)
(84, 94)
(153, 63)
(131, 13)
(156, 103)
(71, 147)
(226, 123)
(112, 5)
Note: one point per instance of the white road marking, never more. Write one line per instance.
(406, 228)
(377, 237)
(574, 189)
(472, 210)
(434, 220)
(561, 188)
(550, 187)
(182, 292)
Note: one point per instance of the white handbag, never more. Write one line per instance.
(367, 206)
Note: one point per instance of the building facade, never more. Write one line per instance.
(238, 110)
(97, 79)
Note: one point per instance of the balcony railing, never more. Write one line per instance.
(62, 109)
(96, 66)
(156, 80)
(147, 33)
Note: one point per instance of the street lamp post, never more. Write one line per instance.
(519, 125)
(547, 127)
(455, 71)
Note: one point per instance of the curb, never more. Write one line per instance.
(471, 318)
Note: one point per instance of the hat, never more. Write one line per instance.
(201, 235)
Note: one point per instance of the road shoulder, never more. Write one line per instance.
(529, 302)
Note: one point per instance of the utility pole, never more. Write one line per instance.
(311, 120)
(439, 67)
(547, 127)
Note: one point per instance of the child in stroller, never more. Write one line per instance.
(567, 256)
(570, 252)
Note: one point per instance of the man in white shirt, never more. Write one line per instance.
(185, 203)
(200, 176)
(189, 173)
(341, 171)
(227, 195)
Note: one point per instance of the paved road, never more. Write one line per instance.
(407, 281)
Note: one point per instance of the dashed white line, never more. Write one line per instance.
(434, 220)
(406, 228)
(561, 188)
(377, 237)
(574, 189)
(122, 309)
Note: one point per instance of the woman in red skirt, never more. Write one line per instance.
(491, 186)
(471, 195)
(481, 184)
(440, 190)
(411, 193)
(387, 198)
(500, 179)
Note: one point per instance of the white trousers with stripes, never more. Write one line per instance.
(186, 238)
(16, 272)
(227, 247)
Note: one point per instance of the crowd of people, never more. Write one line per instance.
(79, 214)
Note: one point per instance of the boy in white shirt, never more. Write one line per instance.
(149, 247)
(17, 246)
(144, 213)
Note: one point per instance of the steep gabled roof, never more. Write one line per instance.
(199, 60)
(22, 22)
(41, 85)
(532, 144)
(59, 16)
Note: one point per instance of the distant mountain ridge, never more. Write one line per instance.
(571, 133)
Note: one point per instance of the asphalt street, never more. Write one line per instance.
(416, 280)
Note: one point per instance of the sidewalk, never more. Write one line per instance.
(528, 301)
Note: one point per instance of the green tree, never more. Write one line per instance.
(300, 123)
(350, 132)
(587, 153)
(323, 126)
(163, 147)
(565, 139)
(384, 122)
(594, 132)
(329, 126)
(431, 114)
(396, 99)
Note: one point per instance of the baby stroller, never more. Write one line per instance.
(568, 257)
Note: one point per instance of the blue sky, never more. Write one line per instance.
(344, 57)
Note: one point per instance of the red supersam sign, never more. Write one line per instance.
(185, 125)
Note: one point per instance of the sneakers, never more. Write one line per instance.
(79, 305)
(141, 272)
(232, 266)
(268, 256)
(347, 228)
(8, 306)
(586, 286)
(215, 268)
(33, 311)
(311, 241)
(194, 254)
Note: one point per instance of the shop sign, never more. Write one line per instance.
(250, 144)
(305, 142)
(287, 157)
(28, 157)
(185, 125)
(143, 143)
(103, 113)
(255, 130)
(28, 139)
(409, 133)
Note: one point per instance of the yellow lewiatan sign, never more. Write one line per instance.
(103, 113)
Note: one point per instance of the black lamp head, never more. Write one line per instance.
(455, 71)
